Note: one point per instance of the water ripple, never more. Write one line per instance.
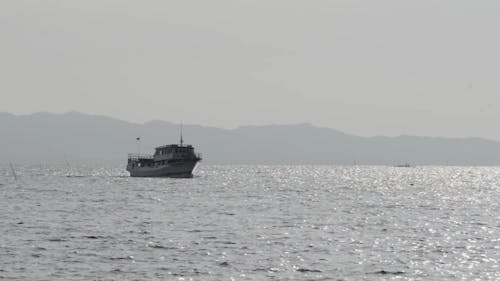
(252, 223)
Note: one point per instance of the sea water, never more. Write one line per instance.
(251, 223)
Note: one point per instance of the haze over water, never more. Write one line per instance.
(251, 223)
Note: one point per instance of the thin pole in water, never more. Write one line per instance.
(66, 160)
(13, 171)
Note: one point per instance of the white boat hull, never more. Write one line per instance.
(182, 169)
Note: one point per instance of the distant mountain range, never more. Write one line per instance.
(80, 138)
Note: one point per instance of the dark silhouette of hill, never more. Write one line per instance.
(82, 138)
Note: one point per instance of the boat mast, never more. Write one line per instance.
(182, 141)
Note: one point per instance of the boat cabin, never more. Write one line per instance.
(167, 154)
(173, 149)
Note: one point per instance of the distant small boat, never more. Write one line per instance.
(405, 165)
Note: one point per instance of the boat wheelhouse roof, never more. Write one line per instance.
(174, 146)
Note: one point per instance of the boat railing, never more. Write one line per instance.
(199, 155)
(138, 156)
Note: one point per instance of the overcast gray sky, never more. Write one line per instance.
(426, 67)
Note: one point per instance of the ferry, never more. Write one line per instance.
(171, 160)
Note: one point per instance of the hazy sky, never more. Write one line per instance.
(426, 67)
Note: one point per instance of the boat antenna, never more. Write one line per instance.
(138, 139)
(182, 141)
